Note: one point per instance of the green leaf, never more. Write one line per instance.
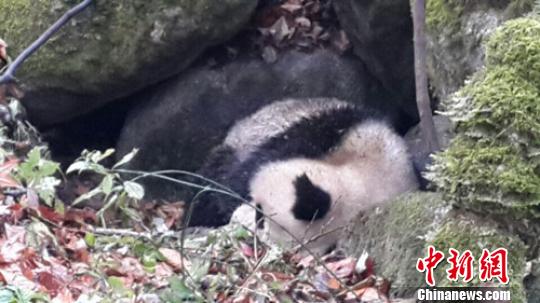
(46, 188)
(116, 283)
(240, 233)
(97, 156)
(134, 190)
(90, 239)
(87, 195)
(107, 184)
(127, 158)
(78, 166)
(48, 168)
(6, 295)
(179, 292)
(33, 157)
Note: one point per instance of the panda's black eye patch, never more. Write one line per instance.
(312, 202)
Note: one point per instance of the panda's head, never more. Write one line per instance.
(301, 200)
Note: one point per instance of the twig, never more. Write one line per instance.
(240, 198)
(9, 75)
(122, 232)
(430, 142)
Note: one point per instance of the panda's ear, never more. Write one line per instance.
(311, 202)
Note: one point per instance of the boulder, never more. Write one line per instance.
(381, 34)
(492, 165)
(180, 121)
(456, 32)
(396, 235)
(112, 49)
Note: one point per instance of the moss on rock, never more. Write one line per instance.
(397, 234)
(516, 45)
(493, 165)
(456, 32)
(464, 233)
(443, 13)
(111, 49)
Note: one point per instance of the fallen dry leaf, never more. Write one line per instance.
(64, 296)
(343, 268)
(161, 275)
(6, 180)
(173, 258)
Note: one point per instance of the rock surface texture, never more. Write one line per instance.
(112, 49)
(399, 233)
(456, 33)
(381, 34)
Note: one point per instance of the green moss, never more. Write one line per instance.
(446, 14)
(504, 103)
(464, 234)
(442, 14)
(517, 45)
(112, 41)
(488, 178)
(493, 165)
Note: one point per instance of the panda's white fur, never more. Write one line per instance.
(311, 164)
(369, 167)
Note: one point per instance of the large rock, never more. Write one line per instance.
(381, 33)
(398, 234)
(456, 32)
(112, 49)
(492, 166)
(181, 120)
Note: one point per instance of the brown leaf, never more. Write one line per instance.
(344, 268)
(13, 245)
(333, 284)
(16, 212)
(341, 41)
(371, 294)
(171, 212)
(303, 22)
(162, 274)
(12, 275)
(6, 180)
(80, 216)
(49, 214)
(173, 258)
(64, 296)
(280, 30)
(306, 261)
(51, 282)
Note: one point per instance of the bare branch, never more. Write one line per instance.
(430, 143)
(9, 75)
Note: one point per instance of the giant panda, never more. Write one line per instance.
(309, 165)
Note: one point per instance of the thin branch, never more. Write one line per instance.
(244, 201)
(430, 143)
(9, 75)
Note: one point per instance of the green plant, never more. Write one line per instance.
(37, 173)
(11, 294)
(115, 190)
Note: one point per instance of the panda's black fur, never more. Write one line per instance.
(311, 137)
(312, 202)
